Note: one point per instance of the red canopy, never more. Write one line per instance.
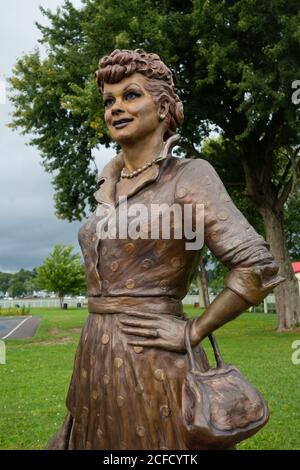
(296, 266)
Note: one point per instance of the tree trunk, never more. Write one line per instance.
(286, 294)
(61, 301)
(203, 281)
(200, 296)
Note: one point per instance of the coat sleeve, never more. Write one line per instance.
(227, 233)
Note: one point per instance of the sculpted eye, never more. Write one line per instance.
(131, 95)
(108, 102)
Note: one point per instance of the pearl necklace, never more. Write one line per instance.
(136, 172)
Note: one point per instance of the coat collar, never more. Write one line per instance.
(112, 172)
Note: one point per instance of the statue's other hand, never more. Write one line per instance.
(160, 331)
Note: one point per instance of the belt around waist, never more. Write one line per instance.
(159, 305)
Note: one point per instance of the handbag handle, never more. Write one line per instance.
(219, 359)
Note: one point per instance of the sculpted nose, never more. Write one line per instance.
(116, 108)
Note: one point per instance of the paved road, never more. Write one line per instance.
(18, 327)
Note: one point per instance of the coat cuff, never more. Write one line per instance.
(254, 284)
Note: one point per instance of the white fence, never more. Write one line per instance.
(41, 303)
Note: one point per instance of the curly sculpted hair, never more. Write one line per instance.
(159, 82)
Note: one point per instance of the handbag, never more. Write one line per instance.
(219, 407)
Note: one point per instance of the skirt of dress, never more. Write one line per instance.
(120, 396)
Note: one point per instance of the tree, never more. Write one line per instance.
(234, 62)
(291, 225)
(4, 281)
(19, 282)
(62, 272)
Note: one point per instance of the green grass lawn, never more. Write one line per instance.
(35, 379)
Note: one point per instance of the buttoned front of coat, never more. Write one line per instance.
(117, 384)
(146, 266)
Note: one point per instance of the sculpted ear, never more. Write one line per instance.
(163, 109)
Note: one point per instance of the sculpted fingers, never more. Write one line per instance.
(145, 315)
(147, 343)
(138, 322)
(148, 333)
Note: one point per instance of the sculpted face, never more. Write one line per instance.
(130, 111)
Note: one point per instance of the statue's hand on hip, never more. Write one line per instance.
(159, 331)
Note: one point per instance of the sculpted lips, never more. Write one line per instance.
(118, 124)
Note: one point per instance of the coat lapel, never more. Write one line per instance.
(112, 172)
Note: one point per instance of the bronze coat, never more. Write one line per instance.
(125, 397)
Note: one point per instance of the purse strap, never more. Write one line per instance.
(219, 359)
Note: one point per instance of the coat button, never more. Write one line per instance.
(106, 379)
(94, 237)
(104, 251)
(215, 236)
(159, 375)
(129, 248)
(165, 411)
(181, 192)
(130, 283)
(105, 339)
(114, 266)
(118, 362)
(176, 262)
(147, 263)
(164, 284)
(138, 349)
(140, 430)
(180, 363)
(120, 401)
(222, 215)
(105, 284)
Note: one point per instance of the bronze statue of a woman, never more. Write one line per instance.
(126, 386)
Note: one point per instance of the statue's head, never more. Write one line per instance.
(138, 87)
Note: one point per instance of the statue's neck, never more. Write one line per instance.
(138, 153)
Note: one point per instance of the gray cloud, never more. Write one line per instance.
(28, 227)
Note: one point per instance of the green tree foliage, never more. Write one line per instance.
(18, 284)
(234, 63)
(4, 281)
(292, 225)
(62, 272)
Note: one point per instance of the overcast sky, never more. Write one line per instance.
(28, 226)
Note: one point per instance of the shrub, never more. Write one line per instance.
(14, 311)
